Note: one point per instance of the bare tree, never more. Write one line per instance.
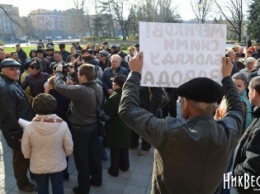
(78, 22)
(233, 12)
(107, 9)
(201, 10)
(11, 16)
(158, 11)
(119, 8)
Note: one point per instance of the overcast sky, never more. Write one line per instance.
(25, 6)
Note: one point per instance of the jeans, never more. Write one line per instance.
(42, 181)
(102, 150)
(86, 156)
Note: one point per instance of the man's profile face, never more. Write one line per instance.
(12, 73)
(251, 98)
(2, 55)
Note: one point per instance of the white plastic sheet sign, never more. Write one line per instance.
(175, 53)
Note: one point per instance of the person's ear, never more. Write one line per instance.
(255, 93)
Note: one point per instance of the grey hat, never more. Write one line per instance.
(44, 104)
(104, 52)
(9, 63)
(49, 48)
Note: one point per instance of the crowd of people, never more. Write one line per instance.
(62, 93)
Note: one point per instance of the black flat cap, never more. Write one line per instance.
(9, 63)
(39, 51)
(201, 89)
(105, 43)
(114, 47)
(28, 62)
(90, 51)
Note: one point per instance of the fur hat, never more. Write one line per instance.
(201, 89)
(44, 104)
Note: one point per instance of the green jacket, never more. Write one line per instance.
(118, 134)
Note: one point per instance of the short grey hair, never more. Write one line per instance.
(250, 60)
(240, 76)
(205, 108)
(255, 84)
(116, 56)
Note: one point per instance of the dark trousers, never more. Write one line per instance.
(119, 160)
(135, 139)
(171, 108)
(86, 156)
(42, 181)
(20, 166)
(65, 171)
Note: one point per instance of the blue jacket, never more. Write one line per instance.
(110, 73)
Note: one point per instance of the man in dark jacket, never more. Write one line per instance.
(110, 72)
(21, 54)
(85, 98)
(190, 156)
(14, 105)
(64, 53)
(247, 152)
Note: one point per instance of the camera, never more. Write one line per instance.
(103, 116)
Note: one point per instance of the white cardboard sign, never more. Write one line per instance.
(175, 53)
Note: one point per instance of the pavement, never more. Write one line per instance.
(137, 180)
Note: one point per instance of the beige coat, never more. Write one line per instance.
(46, 142)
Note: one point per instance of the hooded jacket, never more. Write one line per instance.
(46, 142)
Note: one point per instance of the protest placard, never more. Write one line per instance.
(174, 53)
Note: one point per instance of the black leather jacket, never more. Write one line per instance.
(195, 152)
(14, 105)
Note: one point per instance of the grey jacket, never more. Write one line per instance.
(83, 100)
(190, 156)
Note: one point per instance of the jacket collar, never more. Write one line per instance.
(7, 78)
(88, 83)
(256, 113)
(201, 117)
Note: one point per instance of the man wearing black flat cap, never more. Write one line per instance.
(106, 47)
(190, 156)
(41, 60)
(14, 105)
(113, 50)
(49, 52)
